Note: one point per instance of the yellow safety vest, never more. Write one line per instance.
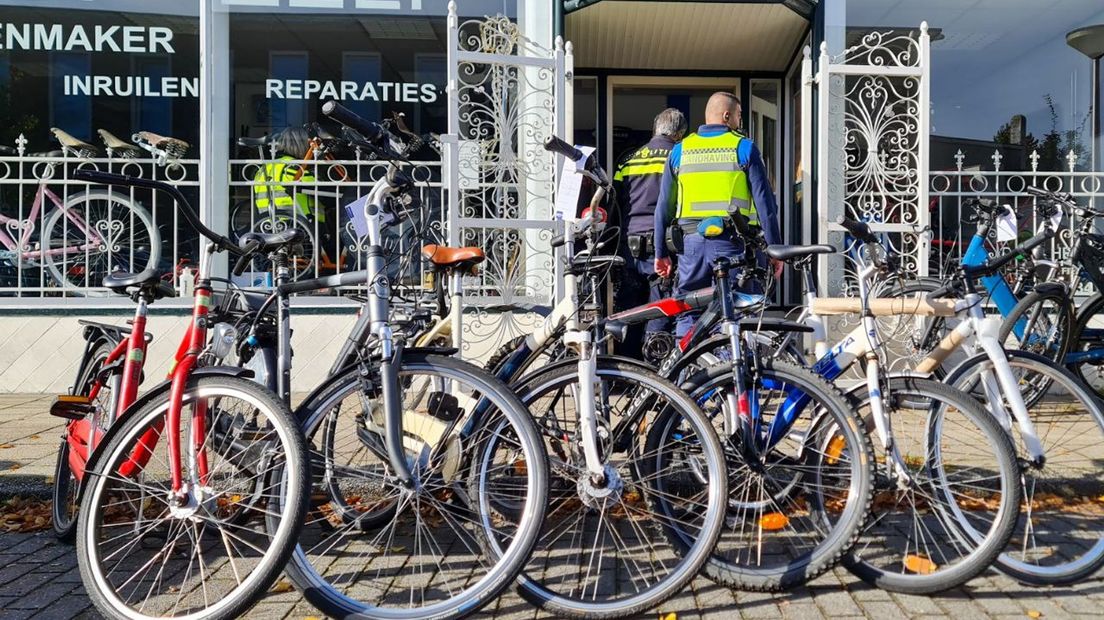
(643, 161)
(711, 181)
(268, 182)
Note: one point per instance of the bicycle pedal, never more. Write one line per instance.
(72, 407)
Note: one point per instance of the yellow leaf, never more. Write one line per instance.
(34, 437)
(14, 467)
(49, 479)
(281, 586)
(670, 616)
(1034, 614)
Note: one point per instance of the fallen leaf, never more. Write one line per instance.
(35, 437)
(670, 616)
(6, 446)
(14, 467)
(1034, 614)
(281, 586)
(49, 480)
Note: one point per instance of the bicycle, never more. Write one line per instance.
(167, 528)
(85, 235)
(426, 468)
(1042, 550)
(611, 427)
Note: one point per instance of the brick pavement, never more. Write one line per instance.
(39, 576)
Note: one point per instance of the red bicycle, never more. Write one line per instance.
(190, 496)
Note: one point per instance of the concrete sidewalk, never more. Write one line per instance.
(39, 576)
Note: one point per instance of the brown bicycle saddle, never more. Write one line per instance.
(173, 146)
(113, 142)
(444, 258)
(68, 141)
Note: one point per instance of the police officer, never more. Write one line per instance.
(713, 174)
(637, 181)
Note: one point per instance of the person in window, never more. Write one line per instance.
(637, 180)
(291, 145)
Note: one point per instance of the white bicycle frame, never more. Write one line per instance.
(975, 331)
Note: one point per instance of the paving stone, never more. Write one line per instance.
(39, 577)
(837, 603)
(801, 611)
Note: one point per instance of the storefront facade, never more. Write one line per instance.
(1003, 82)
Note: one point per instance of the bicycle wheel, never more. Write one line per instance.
(1059, 538)
(1085, 356)
(797, 509)
(1040, 323)
(946, 523)
(128, 239)
(66, 487)
(449, 546)
(143, 554)
(623, 545)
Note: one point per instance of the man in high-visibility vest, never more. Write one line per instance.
(637, 183)
(283, 183)
(708, 178)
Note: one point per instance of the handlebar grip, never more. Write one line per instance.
(557, 145)
(105, 178)
(371, 131)
(859, 230)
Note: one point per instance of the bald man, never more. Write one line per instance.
(710, 176)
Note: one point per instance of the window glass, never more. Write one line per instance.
(119, 65)
(1002, 76)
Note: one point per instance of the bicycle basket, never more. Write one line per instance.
(1091, 258)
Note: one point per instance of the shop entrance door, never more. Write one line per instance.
(635, 101)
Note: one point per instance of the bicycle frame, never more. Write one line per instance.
(975, 330)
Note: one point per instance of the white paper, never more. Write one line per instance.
(1006, 226)
(571, 185)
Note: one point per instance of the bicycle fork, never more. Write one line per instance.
(586, 402)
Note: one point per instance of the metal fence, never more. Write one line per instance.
(59, 236)
(950, 191)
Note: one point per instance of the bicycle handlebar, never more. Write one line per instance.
(556, 145)
(110, 178)
(859, 230)
(371, 131)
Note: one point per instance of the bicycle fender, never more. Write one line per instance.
(1052, 288)
(157, 391)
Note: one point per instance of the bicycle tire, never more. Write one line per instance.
(149, 261)
(833, 416)
(349, 601)
(689, 550)
(1048, 311)
(277, 438)
(1047, 489)
(939, 521)
(1091, 372)
(66, 488)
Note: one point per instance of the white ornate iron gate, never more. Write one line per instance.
(507, 94)
(872, 119)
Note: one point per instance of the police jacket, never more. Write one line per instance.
(637, 181)
(761, 192)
